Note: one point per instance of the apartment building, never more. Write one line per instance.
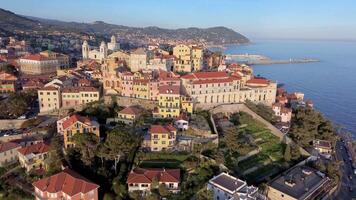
(8, 153)
(140, 179)
(138, 60)
(77, 124)
(49, 98)
(197, 58)
(299, 183)
(77, 96)
(162, 137)
(33, 157)
(184, 61)
(37, 64)
(66, 184)
(63, 60)
(168, 102)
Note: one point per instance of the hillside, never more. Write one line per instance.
(216, 35)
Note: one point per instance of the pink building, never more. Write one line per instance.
(126, 84)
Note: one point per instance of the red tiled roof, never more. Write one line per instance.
(257, 81)
(67, 181)
(36, 57)
(205, 75)
(8, 146)
(141, 175)
(75, 118)
(49, 88)
(162, 129)
(131, 110)
(208, 81)
(169, 89)
(36, 148)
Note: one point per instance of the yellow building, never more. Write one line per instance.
(197, 58)
(162, 137)
(33, 157)
(78, 124)
(186, 104)
(183, 62)
(129, 115)
(141, 89)
(49, 98)
(168, 102)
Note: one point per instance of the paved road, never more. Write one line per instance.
(346, 169)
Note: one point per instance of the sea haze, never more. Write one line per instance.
(330, 83)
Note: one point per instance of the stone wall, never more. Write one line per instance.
(128, 101)
(6, 124)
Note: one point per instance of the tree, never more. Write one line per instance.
(87, 144)
(153, 196)
(204, 194)
(163, 191)
(287, 153)
(55, 158)
(119, 143)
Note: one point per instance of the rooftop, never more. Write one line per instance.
(227, 182)
(161, 129)
(35, 149)
(66, 181)
(146, 175)
(299, 182)
(6, 146)
(75, 118)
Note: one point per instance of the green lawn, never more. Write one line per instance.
(161, 159)
(272, 150)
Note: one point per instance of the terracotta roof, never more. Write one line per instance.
(36, 148)
(257, 81)
(75, 118)
(208, 81)
(141, 175)
(8, 146)
(67, 181)
(131, 110)
(162, 129)
(49, 88)
(169, 89)
(205, 75)
(7, 76)
(36, 57)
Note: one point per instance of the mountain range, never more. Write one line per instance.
(11, 22)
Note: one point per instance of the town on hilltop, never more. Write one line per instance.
(155, 121)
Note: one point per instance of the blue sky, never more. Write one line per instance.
(304, 19)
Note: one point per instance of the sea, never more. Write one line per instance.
(330, 83)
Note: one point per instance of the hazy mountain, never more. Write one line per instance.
(216, 35)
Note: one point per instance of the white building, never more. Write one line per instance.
(227, 187)
(113, 45)
(138, 60)
(99, 55)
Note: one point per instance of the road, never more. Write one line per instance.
(346, 170)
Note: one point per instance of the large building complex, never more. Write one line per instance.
(212, 88)
(37, 64)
